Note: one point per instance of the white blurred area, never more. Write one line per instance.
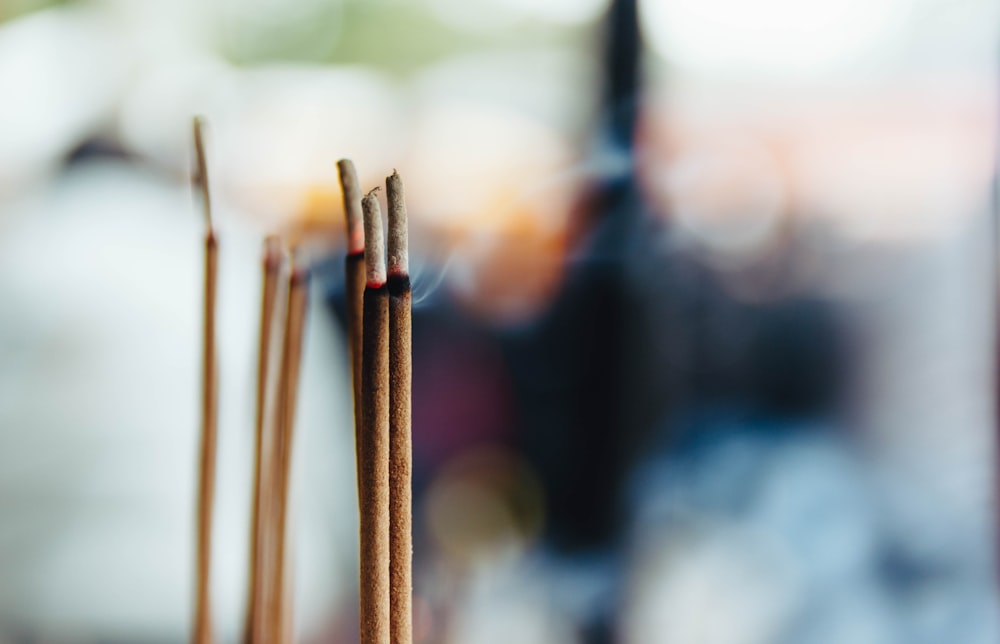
(100, 416)
(873, 119)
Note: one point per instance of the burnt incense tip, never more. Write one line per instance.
(399, 257)
(352, 206)
(300, 275)
(272, 252)
(201, 168)
(398, 284)
(299, 268)
(374, 244)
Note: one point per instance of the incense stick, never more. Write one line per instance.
(272, 270)
(355, 284)
(271, 465)
(400, 442)
(202, 633)
(373, 449)
(201, 171)
(298, 292)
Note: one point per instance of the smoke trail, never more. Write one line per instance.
(456, 264)
(428, 278)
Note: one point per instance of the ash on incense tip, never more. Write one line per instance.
(374, 244)
(352, 207)
(399, 263)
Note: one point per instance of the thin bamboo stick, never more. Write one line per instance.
(258, 563)
(298, 297)
(202, 632)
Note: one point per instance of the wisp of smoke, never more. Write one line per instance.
(428, 277)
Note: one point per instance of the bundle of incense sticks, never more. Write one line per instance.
(382, 383)
(380, 347)
(284, 304)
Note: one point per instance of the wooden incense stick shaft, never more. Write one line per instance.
(298, 291)
(206, 472)
(269, 293)
(374, 469)
(271, 465)
(400, 461)
(201, 168)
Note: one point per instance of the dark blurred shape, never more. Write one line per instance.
(796, 359)
(97, 148)
(622, 71)
(569, 366)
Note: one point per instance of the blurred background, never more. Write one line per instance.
(704, 330)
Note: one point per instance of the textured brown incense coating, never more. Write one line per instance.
(209, 399)
(269, 293)
(400, 447)
(400, 459)
(291, 358)
(373, 465)
(354, 273)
